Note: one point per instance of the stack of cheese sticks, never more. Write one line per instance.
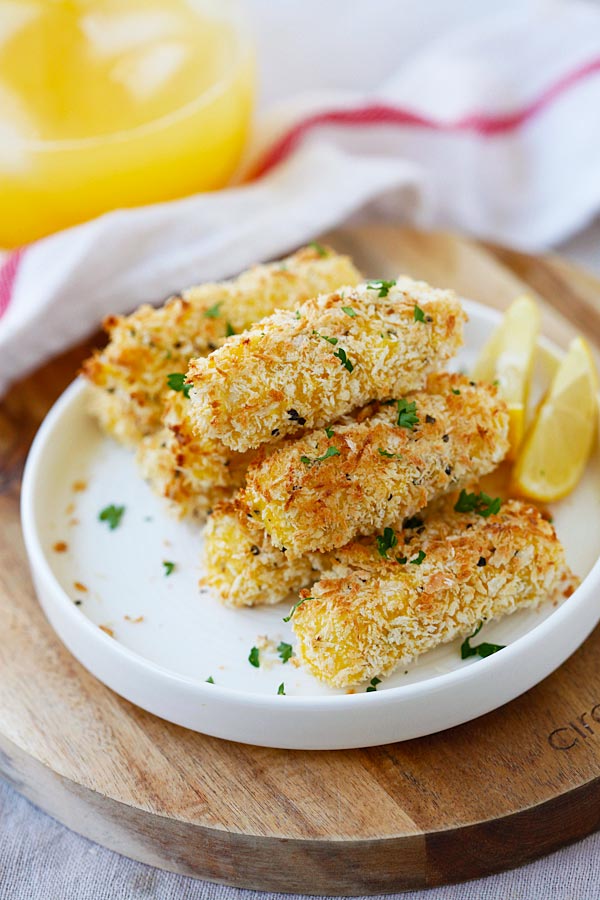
(328, 445)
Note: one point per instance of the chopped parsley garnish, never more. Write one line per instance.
(298, 314)
(418, 314)
(329, 432)
(349, 311)
(382, 286)
(229, 330)
(373, 685)
(331, 451)
(295, 607)
(329, 340)
(341, 355)
(113, 515)
(210, 680)
(418, 558)
(285, 651)
(413, 562)
(213, 311)
(455, 391)
(169, 567)
(388, 455)
(281, 688)
(407, 414)
(483, 650)
(386, 541)
(480, 504)
(253, 658)
(176, 382)
(320, 249)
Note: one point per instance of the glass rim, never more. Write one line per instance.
(243, 49)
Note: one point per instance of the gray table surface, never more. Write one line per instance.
(42, 860)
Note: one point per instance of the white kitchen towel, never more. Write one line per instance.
(492, 127)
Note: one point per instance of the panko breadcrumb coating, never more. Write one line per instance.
(337, 352)
(192, 473)
(244, 568)
(130, 375)
(355, 477)
(372, 614)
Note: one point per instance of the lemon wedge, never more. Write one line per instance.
(560, 440)
(506, 360)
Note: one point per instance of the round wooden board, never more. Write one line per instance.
(489, 795)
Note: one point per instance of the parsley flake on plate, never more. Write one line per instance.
(281, 688)
(169, 567)
(481, 504)
(455, 391)
(285, 651)
(483, 650)
(331, 451)
(407, 414)
(210, 680)
(382, 286)
(176, 381)
(229, 329)
(112, 515)
(253, 657)
(329, 432)
(386, 541)
(418, 314)
(349, 311)
(373, 685)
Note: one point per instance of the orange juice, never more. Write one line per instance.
(115, 103)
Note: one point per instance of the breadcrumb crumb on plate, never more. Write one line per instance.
(162, 664)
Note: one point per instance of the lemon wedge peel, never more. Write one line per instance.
(561, 438)
(507, 360)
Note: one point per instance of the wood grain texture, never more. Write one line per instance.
(488, 795)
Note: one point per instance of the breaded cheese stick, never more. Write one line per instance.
(337, 352)
(130, 375)
(355, 477)
(373, 614)
(244, 568)
(192, 473)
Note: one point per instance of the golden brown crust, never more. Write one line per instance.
(305, 370)
(381, 472)
(372, 614)
(190, 472)
(243, 567)
(129, 375)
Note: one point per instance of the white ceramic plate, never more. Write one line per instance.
(162, 662)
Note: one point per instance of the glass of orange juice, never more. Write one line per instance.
(116, 103)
